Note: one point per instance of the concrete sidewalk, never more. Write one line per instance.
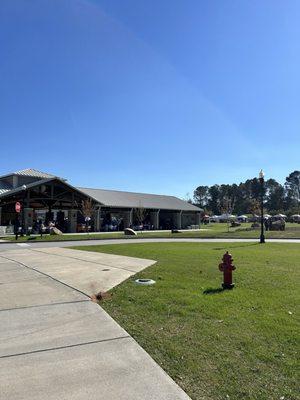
(85, 271)
(57, 344)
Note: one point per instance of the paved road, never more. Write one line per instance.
(13, 245)
(55, 343)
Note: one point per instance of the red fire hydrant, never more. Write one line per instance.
(227, 267)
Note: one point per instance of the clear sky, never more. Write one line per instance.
(154, 96)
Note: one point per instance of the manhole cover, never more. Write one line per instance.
(145, 281)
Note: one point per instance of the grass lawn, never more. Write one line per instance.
(217, 230)
(238, 344)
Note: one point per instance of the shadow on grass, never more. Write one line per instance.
(213, 290)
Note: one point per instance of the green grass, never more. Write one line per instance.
(211, 231)
(238, 344)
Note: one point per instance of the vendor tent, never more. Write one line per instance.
(214, 218)
(280, 216)
(227, 217)
(295, 217)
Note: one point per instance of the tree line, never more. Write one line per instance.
(245, 197)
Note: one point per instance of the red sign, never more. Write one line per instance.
(18, 207)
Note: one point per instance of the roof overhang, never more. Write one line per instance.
(40, 182)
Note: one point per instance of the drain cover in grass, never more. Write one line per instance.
(145, 281)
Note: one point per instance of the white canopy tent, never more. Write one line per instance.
(226, 217)
(242, 218)
(296, 217)
(279, 216)
(214, 218)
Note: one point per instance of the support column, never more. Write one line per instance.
(49, 215)
(98, 219)
(2, 228)
(128, 218)
(154, 218)
(177, 219)
(198, 219)
(72, 218)
(28, 217)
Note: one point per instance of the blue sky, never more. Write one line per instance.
(154, 96)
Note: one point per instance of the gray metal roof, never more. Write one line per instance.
(30, 172)
(4, 187)
(115, 198)
(34, 172)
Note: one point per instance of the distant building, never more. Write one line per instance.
(48, 198)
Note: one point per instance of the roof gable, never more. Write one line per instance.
(30, 172)
(12, 191)
(34, 173)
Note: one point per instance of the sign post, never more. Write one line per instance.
(18, 210)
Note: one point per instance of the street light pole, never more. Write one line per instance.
(262, 181)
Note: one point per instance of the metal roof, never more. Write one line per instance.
(30, 172)
(34, 172)
(115, 198)
(4, 187)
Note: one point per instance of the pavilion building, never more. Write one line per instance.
(51, 198)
